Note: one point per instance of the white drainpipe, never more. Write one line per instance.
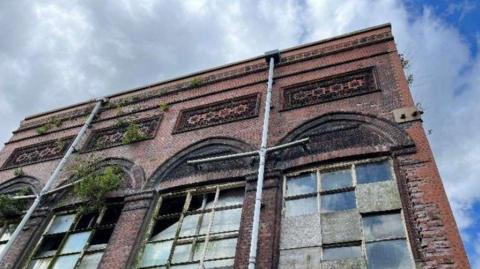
(53, 177)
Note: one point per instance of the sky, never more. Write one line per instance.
(55, 53)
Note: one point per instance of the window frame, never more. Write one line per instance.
(197, 238)
(317, 170)
(86, 250)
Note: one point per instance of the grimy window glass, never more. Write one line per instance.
(382, 242)
(386, 241)
(194, 227)
(74, 240)
(6, 231)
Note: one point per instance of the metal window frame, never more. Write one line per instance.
(196, 238)
(86, 250)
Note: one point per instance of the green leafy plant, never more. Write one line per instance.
(133, 134)
(163, 107)
(10, 207)
(60, 144)
(95, 183)
(52, 122)
(18, 172)
(406, 66)
(42, 129)
(196, 82)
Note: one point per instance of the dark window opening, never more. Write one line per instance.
(112, 214)
(49, 245)
(165, 228)
(86, 221)
(101, 236)
(172, 205)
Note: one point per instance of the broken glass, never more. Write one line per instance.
(373, 172)
(40, 263)
(165, 228)
(302, 184)
(337, 201)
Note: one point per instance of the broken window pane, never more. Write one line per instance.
(336, 179)
(181, 253)
(49, 245)
(226, 220)
(172, 205)
(373, 172)
(76, 242)
(66, 262)
(165, 228)
(61, 223)
(156, 253)
(7, 233)
(86, 221)
(40, 263)
(101, 236)
(112, 214)
(300, 207)
(383, 226)
(305, 183)
(231, 197)
(340, 253)
(189, 225)
(196, 202)
(388, 255)
(90, 261)
(337, 201)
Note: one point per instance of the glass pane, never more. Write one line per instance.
(66, 262)
(221, 248)
(388, 255)
(339, 253)
(189, 225)
(2, 246)
(156, 253)
(76, 242)
(305, 183)
(300, 207)
(383, 226)
(61, 224)
(40, 263)
(225, 220)
(91, 261)
(336, 179)
(230, 197)
(373, 172)
(9, 230)
(338, 201)
(181, 253)
(184, 266)
(165, 229)
(218, 263)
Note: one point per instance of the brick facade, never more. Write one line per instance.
(338, 92)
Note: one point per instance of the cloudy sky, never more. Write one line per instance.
(54, 53)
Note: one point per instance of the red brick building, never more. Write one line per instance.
(360, 189)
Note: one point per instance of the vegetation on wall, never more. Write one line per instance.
(95, 183)
(196, 82)
(52, 122)
(406, 67)
(163, 107)
(133, 134)
(10, 207)
(18, 172)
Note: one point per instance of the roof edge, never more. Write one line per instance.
(136, 89)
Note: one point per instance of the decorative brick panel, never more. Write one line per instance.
(112, 136)
(230, 110)
(41, 152)
(330, 89)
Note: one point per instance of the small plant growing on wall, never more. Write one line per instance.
(10, 207)
(196, 82)
(95, 183)
(52, 122)
(163, 107)
(133, 134)
(18, 172)
(406, 67)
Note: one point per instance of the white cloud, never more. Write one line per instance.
(54, 53)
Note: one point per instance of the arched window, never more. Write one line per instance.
(193, 227)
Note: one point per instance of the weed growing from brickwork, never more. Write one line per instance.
(196, 82)
(10, 207)
(133, 134)
(163, 107)
(18, 172)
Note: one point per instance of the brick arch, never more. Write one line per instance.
(21, 182)
(345, 130)
(177, 167)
